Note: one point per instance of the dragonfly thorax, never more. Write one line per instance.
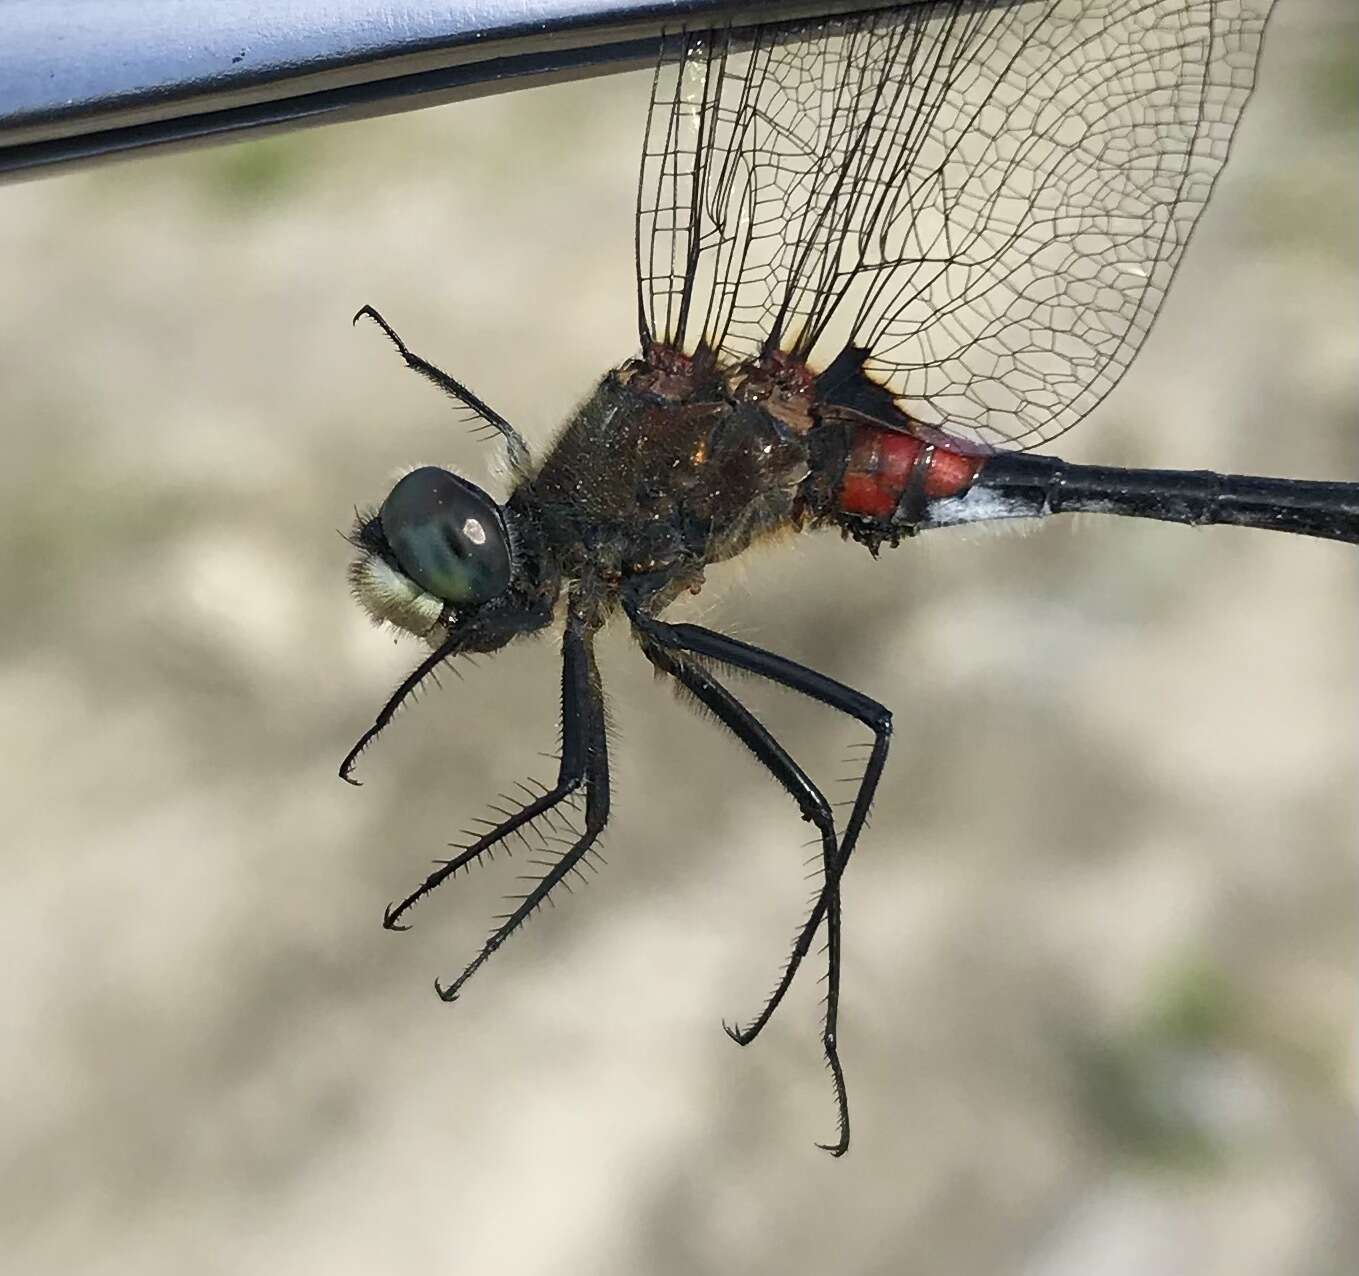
(640, 483)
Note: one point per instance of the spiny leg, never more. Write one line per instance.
(580, 688)
(835, 695)
(815, 809)
(739, 655)
(585, 760)
(514, 441)
(496, 631)
(408, 685)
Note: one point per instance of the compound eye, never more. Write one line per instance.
(447, 536)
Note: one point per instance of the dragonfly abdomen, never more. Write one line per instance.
(889, 478)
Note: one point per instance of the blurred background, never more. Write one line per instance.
(1099, 1010)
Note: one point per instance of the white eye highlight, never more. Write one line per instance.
(446, 534)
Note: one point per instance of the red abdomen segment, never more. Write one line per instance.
(883, 464)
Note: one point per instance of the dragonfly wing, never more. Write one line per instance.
(988, 198)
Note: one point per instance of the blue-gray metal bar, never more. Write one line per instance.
(83, 80)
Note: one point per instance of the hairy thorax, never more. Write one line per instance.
(645, 481)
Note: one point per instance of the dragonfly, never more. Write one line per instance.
(880, 259)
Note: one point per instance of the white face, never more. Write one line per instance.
(392, 598)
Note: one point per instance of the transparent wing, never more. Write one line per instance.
(989, 198)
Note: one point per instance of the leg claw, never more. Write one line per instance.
(736, 1033)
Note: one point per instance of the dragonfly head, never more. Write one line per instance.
(437, 552)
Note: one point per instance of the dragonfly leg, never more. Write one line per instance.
(584, 762)
(459, 640)
(423, 670)
(577, 667)
(739, 655)
(815, 809)
(459, 393)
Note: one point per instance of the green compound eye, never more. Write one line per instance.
(448, 536)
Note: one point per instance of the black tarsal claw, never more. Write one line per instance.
(835, 1149)
(349, 779)
(389, 916)
(736, 1033)
(445, 994)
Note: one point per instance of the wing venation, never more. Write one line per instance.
(990, 198)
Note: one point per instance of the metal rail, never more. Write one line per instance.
(86, 80)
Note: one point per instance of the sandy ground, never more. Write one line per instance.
(1100, 975)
